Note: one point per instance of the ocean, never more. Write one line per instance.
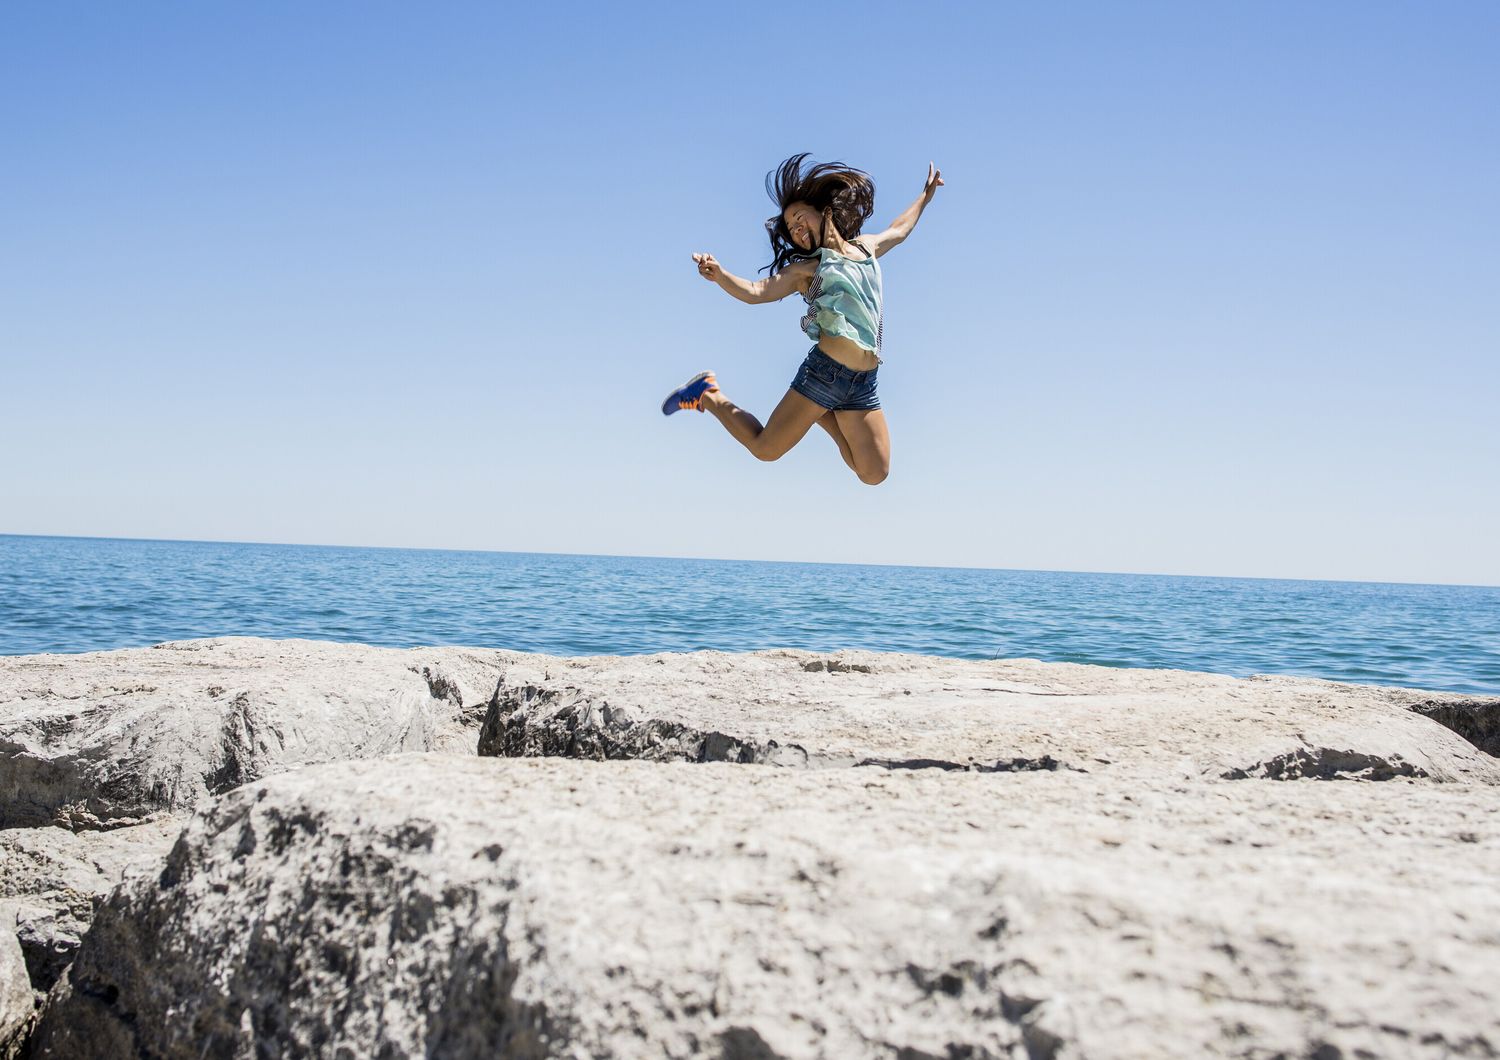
(61, 594)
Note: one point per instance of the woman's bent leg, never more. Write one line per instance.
(830, 423)
(869, 441)
(793, 417)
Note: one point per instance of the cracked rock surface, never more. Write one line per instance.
(434, 906)
(52, 879)
(106, 739)
(853, 708)
(16, 1007)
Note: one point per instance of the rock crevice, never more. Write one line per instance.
(528, 721)
(1476, 720)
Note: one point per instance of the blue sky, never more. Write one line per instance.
(1213, 289)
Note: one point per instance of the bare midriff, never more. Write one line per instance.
(848, 353)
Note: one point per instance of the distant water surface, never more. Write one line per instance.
(89, 594)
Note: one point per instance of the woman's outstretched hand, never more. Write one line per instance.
(708, 268)
(934, 180)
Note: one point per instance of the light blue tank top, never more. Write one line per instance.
(845, 299)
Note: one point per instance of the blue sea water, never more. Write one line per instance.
(87, 594)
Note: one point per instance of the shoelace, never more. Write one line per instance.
(696, 403)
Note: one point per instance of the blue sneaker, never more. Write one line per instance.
(689, 395)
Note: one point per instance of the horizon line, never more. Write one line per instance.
(731, 559)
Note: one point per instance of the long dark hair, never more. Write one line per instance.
(850, 192)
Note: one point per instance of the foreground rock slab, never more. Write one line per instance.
(424, 905)
(106, 739)
(909, 711)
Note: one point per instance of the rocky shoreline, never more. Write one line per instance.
(247, 848)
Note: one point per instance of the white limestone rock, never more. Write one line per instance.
(106, 739)
(52, 879)
(911, 711)
(1034, 859)
(440, 906)
(17, 1007)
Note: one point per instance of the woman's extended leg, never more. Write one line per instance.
(869, 442)
(793, 417)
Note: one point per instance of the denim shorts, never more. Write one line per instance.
(834, 386)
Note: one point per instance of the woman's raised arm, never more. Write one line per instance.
(771, 289)
(901, 227)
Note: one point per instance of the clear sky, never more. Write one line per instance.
(1212, 289)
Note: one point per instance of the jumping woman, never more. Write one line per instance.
(817, 251)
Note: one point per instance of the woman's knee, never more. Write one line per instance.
(873, 476)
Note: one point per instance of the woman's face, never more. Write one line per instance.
(804, 224)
